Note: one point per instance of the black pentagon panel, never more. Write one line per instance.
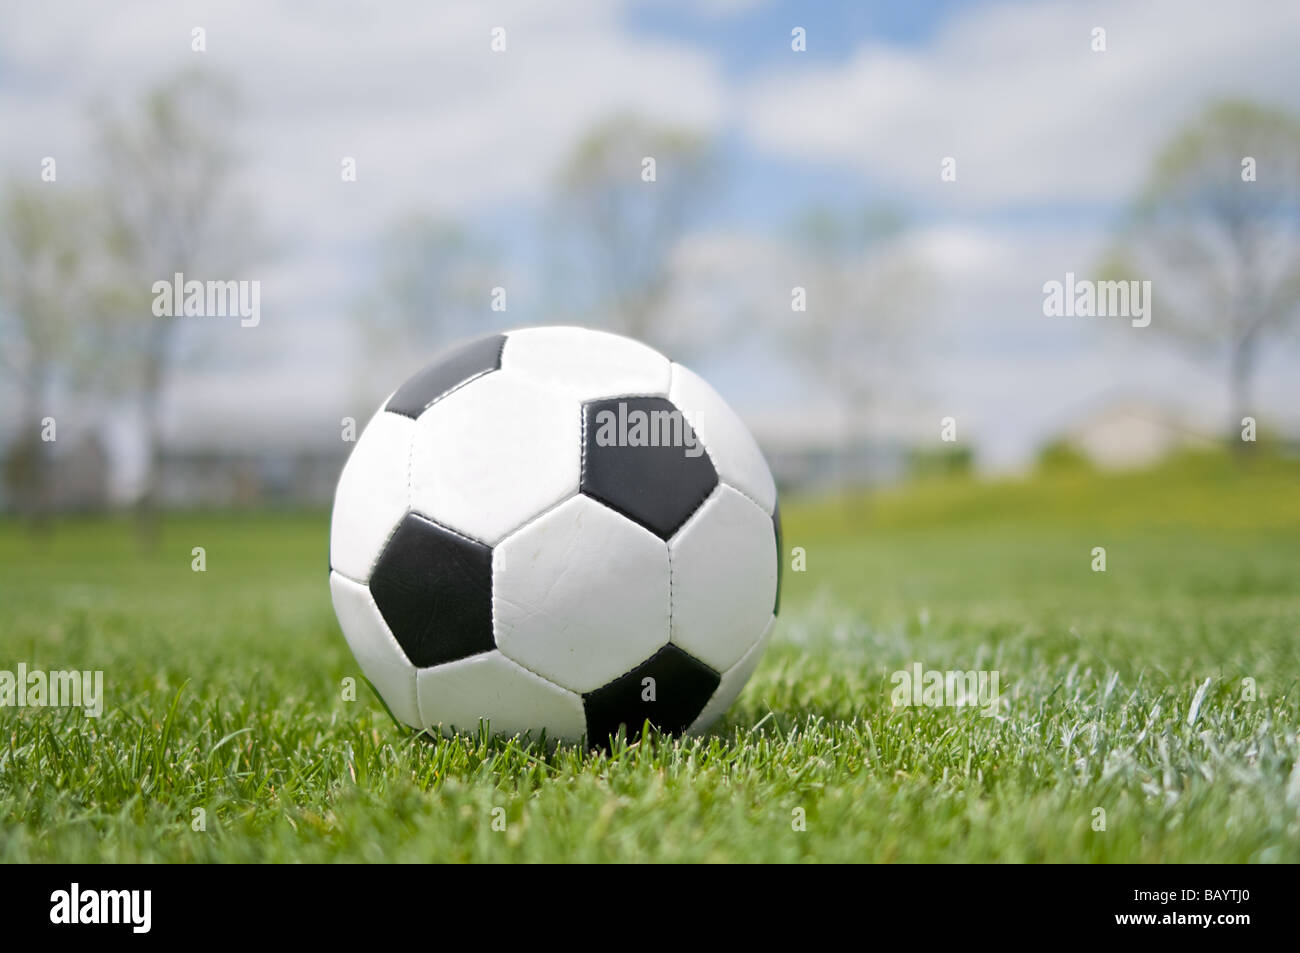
(642, 458)
(780, 558)
(434, 589)
(681, 688)
(450, 369)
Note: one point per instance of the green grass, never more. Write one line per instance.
(223, 693)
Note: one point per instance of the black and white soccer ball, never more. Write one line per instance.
(556, 530)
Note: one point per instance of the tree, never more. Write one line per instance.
(433, 285)
(171, 207)
(863, 294)
(1215, 230)
(43, 295)
(619, 218)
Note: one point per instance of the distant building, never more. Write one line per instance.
(1131, 435)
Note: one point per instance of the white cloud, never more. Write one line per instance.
(434, 117)
(1015, 94)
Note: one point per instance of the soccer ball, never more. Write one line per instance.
(556, 531)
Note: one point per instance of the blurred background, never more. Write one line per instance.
(849, 217)
(853, 211)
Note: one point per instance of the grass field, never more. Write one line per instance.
(1125, 690)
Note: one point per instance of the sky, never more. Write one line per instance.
(1052, 142)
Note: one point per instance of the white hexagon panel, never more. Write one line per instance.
(487, 457)
(372, 495)
(376, 650)
(587, 364)
(490, 687)
(723, 564)
(580, 595)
